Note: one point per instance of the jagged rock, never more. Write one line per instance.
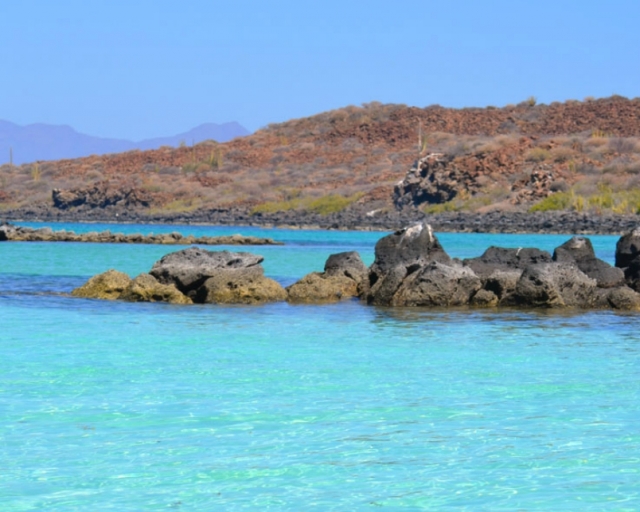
(438, 284)
(432, 179)
(632, 274)
(484, 299)
(101, 195)
(622, 297)
(628, 248)
(499, 258)
(399, 255)
(316, 288)
(579, 251)
(501, 283)
(7, 231)
(348, 264)
(554, 285)
(240, 286)
(146, 288)
(109, 285)
(188, 269)
(344, 276)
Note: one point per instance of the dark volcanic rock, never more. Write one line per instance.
(437, 284)
(501, 283)
(579, 251)
(628, 248)
(622, 297)
(499, 258)
(554, 285)
(347, 264)
(399, 255)
(101, 195)
(190, 268)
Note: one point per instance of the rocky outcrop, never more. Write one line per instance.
(399, 255)
(146, 288)
(191, 275)
(344, 276)
(217, 276)
(405, 267)
(437, 284)
(628, 248)
(622, 298)
(108, 286)
(101, 195)
(553, 285)
(410, 269)
(9, 232)
(501, 259)
(439, 178)
(579, 251)
(239, 286)
(628, 258)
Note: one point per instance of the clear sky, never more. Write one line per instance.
(145, 68)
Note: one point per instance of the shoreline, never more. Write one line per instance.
(552, 222)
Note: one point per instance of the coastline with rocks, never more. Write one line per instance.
(552, 222)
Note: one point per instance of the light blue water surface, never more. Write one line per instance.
(118, 406)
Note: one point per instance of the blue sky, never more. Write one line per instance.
(144, 68)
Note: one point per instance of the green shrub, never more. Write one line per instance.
(332, 203)
(325, 205)
(556, 201)
(277, 206)
(538, 155)
(449, 206)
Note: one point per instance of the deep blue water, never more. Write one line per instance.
(118, 406)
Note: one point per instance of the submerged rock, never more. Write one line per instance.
(109, 286)
(11, 233)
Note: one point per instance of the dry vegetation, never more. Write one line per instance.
(355, 155)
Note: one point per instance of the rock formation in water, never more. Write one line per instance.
(11, 233)
(410, 269)
(220, 277)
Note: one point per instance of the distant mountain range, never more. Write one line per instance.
(54, 142)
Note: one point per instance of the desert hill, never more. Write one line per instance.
(580, 155)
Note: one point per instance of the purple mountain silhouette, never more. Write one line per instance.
(54, 142)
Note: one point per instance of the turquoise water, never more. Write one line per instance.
(117, 406)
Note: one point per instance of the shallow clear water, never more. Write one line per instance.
(117, 406)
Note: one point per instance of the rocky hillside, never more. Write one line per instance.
(574, 155)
